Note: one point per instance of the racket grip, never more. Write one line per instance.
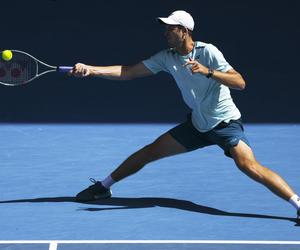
(63, 69)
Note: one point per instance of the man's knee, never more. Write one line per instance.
(152, 152)
(251, 168)
(246, 162)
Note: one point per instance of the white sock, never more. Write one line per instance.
(295, 201)
(108, 182)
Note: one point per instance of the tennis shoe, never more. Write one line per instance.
(94, 192)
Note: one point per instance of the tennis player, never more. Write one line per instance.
(204, 78)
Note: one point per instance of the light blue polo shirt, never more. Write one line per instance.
(210, 101)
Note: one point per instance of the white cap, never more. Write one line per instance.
(179, 17)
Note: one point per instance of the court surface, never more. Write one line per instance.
(199, 195)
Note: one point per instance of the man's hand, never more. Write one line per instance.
(80, 70)
(196, 67)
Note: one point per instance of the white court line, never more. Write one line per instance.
(54, 244)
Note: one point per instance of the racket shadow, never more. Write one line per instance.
(118, 203)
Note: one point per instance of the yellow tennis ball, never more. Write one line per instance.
(7, 55)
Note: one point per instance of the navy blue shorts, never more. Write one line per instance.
(225, 135)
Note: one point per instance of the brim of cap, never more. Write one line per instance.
(166, 20)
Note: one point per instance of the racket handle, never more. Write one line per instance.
(63, 69)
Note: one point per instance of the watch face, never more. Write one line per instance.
(210, 73)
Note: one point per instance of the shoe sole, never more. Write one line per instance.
(103, 196)
(95, 197)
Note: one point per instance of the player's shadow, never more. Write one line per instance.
(117, 203)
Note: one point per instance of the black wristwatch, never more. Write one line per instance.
(210, 73)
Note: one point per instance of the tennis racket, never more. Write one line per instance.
(24, 68)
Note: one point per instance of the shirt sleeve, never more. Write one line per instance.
(216, 59)
(156, 63)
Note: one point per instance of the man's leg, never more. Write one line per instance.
(246, 162)
(162, 147)
(180, 139)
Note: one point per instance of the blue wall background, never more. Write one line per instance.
(259, 38)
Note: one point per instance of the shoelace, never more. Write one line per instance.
(93, 180)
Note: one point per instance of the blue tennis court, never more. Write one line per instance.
(195, 196)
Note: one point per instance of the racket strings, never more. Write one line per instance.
(20, 69)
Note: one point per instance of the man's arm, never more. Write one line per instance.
(231, 78)
(117, 72)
